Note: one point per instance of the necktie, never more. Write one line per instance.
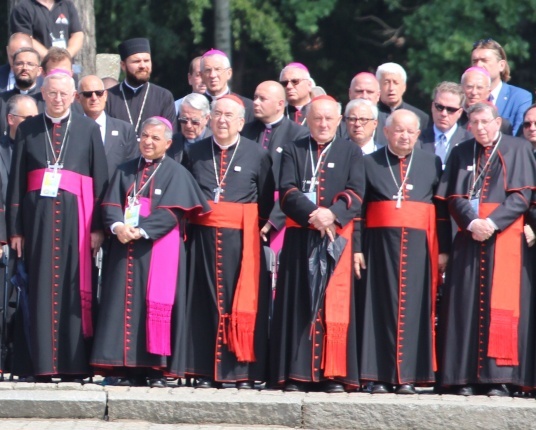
(441, 147)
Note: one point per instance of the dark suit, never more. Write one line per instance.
(427, 139)
(6, 149)
(4, 76)
(179, 145)
(512, 103)
(120, 143)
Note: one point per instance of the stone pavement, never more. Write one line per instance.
(76, 406)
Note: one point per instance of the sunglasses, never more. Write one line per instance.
(484, 42)
(294, 82)
(527, 124)
(184, 120)
(441, 108)
(89, 94)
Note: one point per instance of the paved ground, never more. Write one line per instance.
(11, 424)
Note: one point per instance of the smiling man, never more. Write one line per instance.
(228, 290)
(445, 133)
(136, 99)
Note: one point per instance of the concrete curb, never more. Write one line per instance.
(253, 408)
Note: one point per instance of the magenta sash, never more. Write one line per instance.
(82, 187)
(276, 236)
(161, 286)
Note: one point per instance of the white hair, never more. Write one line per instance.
(198, 102)
(362, 102)
(226, 62)
(391, 68)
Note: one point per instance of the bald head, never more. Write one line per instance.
(17, 41)
(364, 85)
(269, 102)
(323, 117)
(92, 95)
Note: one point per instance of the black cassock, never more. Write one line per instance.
(296, 347)
(249, 180)
(49, 226)
(120, 336)
(464, 324)
(159, 102)
(395, 294)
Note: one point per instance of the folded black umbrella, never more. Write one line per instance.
(20, 281)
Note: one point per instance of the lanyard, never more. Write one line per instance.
(483, 171)
(314, 170)
(57, 159)
(132, 200)
(142, 106)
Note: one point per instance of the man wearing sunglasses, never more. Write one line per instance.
(445, 133)
(120, 143)
(511, 101)
(297, 82)
(194, 114)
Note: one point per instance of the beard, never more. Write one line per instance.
(134, 81)
(24, 83)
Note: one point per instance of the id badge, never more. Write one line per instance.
(132, 215)
(50, 184)
(474, 204)
(59, 42)
(311, 197)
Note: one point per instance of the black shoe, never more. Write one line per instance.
(158, 383)
(43, 379)
(499, 390)
(405, 389)
(378, 388)
(245, 385)
(205, 383)
(466, 390)
(294, 386)
(333, 387)
(74, 380)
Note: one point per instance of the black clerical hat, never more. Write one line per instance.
(134, 46)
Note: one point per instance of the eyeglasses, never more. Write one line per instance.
(449, 109)
(54, 95)
(184, 120)
(217, 70)
(528, 124)
(362, 121)
(483, 122)
(89, 94)
(295, 82)
(21, 116)
(226, 116)
(28, 65)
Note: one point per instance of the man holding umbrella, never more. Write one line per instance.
(313, 342)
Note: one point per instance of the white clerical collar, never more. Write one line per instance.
(369, 147)
(224, 92)
(101, 119)
(448, 134)
(58, 119)
(495, 93)
(226, 146)
(271, 124)
(135, 89)
(396, 155)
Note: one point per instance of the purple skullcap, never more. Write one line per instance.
(297, 66)
(478, 69)
(164, 120)
(214, 52)
(60, 71)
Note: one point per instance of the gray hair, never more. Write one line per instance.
(13, 102)
(241, 109)
(483, 107)
(450, 87)
(391, 68)
(59, 76)
(226, 62)
(362, 102)
(290, 66)
(168, 132)
(196, 101)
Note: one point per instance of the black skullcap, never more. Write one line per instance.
(134, 46)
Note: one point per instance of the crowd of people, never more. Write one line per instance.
(275, 240)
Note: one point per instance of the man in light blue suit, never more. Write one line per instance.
(511, 101)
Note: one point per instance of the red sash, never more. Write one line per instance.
(82, 187)
(240, 216)
(505, 291)
(337, 307)
(414, 215)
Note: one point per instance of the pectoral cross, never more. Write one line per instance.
(398, 197)
(217, 192)
(55, 167)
